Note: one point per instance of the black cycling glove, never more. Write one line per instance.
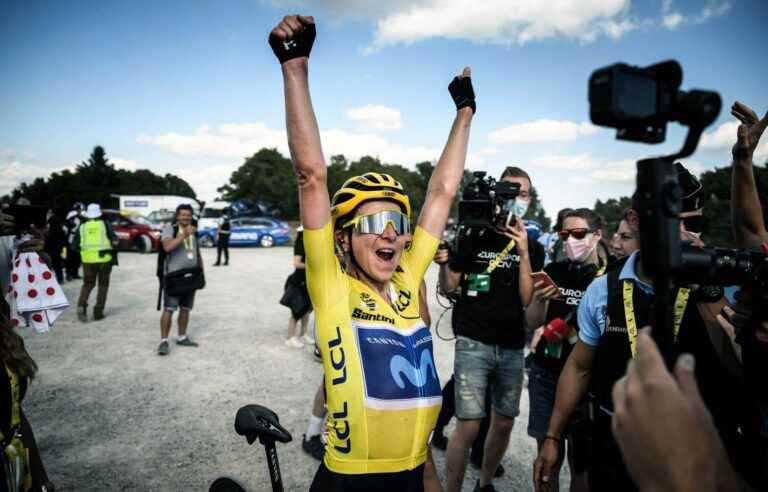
(462, 93)
(298, 46)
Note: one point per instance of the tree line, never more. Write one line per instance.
(95, 181)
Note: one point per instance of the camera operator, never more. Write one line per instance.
(494, 274)
(553, 310)
(613, 308)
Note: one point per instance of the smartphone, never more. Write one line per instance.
(543, 276)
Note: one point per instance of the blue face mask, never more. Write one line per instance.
(518, 207)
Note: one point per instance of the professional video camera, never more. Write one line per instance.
(639, 102)
(486, 202)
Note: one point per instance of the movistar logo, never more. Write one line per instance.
(399, 366)
(358, 313)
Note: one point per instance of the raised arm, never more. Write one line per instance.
(447, 175)
(291, 41)
(746, 212)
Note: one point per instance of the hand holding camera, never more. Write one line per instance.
(519, 233)
(442, 255)
(462, 92)
(293, 37)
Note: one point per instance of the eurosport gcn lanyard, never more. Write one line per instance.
(188, 244)
(481, 282)
(16, 457)
(681, 301)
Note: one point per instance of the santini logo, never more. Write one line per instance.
(358, 313)
(399, 367)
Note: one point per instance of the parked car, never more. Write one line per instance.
(160, 218)
(132, 233)
(250, 231)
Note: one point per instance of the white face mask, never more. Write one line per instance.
(518, 207)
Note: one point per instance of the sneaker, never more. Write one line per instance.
(294, 342)
(308, 339)
(313, 446)
(187, 342)
(97, 315)
(487, 488)
(439, 440)
(82, 313)
(163, 348)
(318, 355)
(217, 264)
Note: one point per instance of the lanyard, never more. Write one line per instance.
(681, 301)
(500, 257)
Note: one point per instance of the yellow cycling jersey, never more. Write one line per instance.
(382, 388)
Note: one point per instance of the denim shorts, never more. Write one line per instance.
(184, 302)
(480, 367)
(542, 386)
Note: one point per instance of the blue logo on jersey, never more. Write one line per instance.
(399, 366)
(396, 366)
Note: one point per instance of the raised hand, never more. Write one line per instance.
(462, 92)
(293, 37)
(750, 131)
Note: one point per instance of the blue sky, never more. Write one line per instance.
(191, 87)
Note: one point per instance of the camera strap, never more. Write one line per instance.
(494, 263)
(681, 302)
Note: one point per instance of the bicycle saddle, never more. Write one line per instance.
(254, 421)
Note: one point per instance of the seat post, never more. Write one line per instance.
(272, 463)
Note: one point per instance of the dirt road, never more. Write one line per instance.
(110, 414)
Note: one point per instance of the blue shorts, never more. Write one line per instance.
(480, 367)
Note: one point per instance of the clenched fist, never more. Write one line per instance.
(293, 37)
(462, 92)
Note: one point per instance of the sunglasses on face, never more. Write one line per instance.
(377, 223)
(576, 233)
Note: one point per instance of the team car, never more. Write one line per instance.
(133, 232)
(250, 231)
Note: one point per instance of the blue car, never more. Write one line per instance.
(250, 231)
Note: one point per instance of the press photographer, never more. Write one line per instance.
(556, 297)
(492, 267)
(641, 290)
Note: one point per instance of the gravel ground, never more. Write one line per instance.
(109, 414)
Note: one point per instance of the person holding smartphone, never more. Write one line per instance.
(494, 276)
(556, 296)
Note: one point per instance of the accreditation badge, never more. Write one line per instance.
(478, 282)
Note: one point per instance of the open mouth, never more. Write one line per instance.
(385, 254)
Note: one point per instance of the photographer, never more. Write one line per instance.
(553, 310)
(493, 270)
(612, 310)
(182, 275)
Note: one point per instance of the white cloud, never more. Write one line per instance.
(624, 171)
(503, 21)
(239, 140)
(723, 137)
(672, 19)
(376, 117)
(542, 130)
(15, 172)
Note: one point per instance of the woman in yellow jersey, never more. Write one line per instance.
(383, 394)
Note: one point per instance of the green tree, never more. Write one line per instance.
(536, 211)
(612, 211)
(266, 175)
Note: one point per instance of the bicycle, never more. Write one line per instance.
(257, 422)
